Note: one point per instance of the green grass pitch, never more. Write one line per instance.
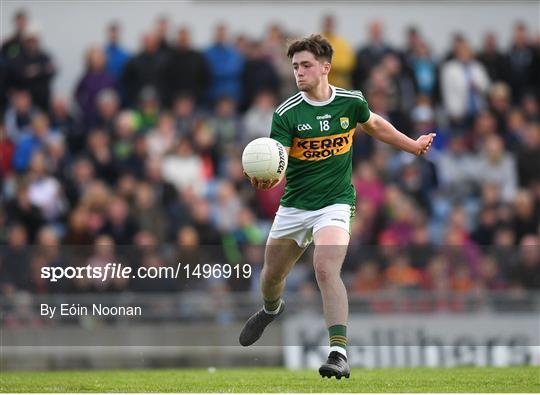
(515, 379)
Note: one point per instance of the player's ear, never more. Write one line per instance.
(326, 68)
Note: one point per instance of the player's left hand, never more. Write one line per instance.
(424, 143)
(262, 184)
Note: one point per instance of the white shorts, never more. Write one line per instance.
(300, 225)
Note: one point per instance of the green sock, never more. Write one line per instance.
(338, 336)
(271, 305)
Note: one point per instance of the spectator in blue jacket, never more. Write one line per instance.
(32, 142)
(117, 56)
(226, 66)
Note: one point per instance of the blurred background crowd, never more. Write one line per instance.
(142, 160)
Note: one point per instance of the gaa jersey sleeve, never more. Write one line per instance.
(362, 108)
(280, 131)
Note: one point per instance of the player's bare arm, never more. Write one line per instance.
(383, 130)
(266, 185)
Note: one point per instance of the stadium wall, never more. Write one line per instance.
(409, 340)
(485, 339)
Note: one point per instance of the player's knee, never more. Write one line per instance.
(272, 277)
(324, 272)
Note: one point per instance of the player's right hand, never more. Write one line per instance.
(262, 184)
(424, 143)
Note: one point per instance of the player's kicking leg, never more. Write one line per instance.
(279, 258)
(330, 249)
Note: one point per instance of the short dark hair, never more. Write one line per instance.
(319, 46)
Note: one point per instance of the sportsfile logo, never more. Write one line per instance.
(320, 148)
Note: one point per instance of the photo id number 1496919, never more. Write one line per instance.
(208, 270)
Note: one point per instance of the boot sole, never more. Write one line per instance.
(329, 373)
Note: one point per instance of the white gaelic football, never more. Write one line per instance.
(265, 158)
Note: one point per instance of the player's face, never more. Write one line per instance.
(308, 71)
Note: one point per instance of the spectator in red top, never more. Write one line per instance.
(368, 184)
(7, 149)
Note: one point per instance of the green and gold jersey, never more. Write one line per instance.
(320, 137)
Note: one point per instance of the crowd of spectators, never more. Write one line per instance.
(142, 160)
